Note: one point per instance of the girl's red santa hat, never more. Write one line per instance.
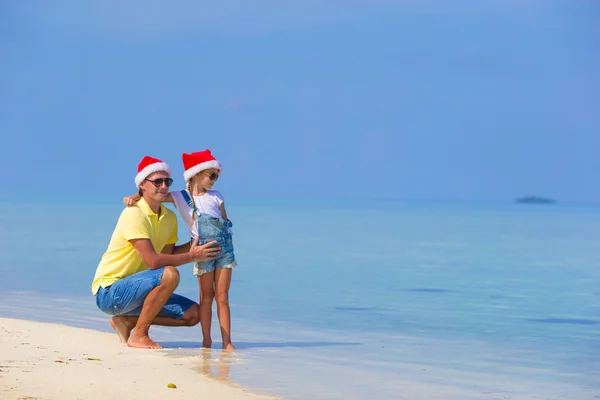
(199, 161)
(148, 166)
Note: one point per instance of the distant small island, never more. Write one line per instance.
(535, 200)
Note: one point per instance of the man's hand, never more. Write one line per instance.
(205, 252)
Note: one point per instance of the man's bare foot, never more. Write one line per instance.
(207, 344)
(228, 347)
(123, 326)
(142, 342)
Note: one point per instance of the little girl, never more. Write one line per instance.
(203, 211)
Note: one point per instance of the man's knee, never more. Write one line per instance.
(170, 276)
(192, 315)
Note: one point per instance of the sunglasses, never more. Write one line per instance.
(158, 182)
(213, 176)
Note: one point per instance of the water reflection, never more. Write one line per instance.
(216, 364)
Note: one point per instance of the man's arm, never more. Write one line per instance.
(173, 249)
(155, 260)
(168, 249)
(182, 248)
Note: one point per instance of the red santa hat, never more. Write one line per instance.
(198, 161)
(148, 166)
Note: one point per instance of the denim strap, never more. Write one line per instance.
(188, 200)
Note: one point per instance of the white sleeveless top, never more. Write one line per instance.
(209, 204)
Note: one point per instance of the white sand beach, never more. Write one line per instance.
(50, 361)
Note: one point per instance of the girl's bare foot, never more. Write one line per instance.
(142, 342)
(228, 347)
(207, 343)
(123, 326)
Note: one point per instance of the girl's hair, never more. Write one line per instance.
(141, 192)
(189, 189)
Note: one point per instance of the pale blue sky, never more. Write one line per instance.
(333, 99)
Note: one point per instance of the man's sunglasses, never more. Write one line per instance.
(213, 176)
(158, 182)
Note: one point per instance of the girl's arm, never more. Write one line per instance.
(130, 200)
(169, 198)
(223, 212)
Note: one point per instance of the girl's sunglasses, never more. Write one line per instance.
(158, 182)
(213, 176)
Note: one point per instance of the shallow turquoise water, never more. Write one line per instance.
(382, 300)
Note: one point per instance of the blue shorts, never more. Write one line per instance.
(126, 296)
(225, 259)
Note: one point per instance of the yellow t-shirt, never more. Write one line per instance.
(137, 222)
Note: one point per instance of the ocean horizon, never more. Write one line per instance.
(399, 299)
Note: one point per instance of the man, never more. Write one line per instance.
(136, 277)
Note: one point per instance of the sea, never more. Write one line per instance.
(381, 299)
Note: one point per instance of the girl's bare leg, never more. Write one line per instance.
(207, 294)
(222, 283)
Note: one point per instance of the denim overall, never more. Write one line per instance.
(212, 228)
